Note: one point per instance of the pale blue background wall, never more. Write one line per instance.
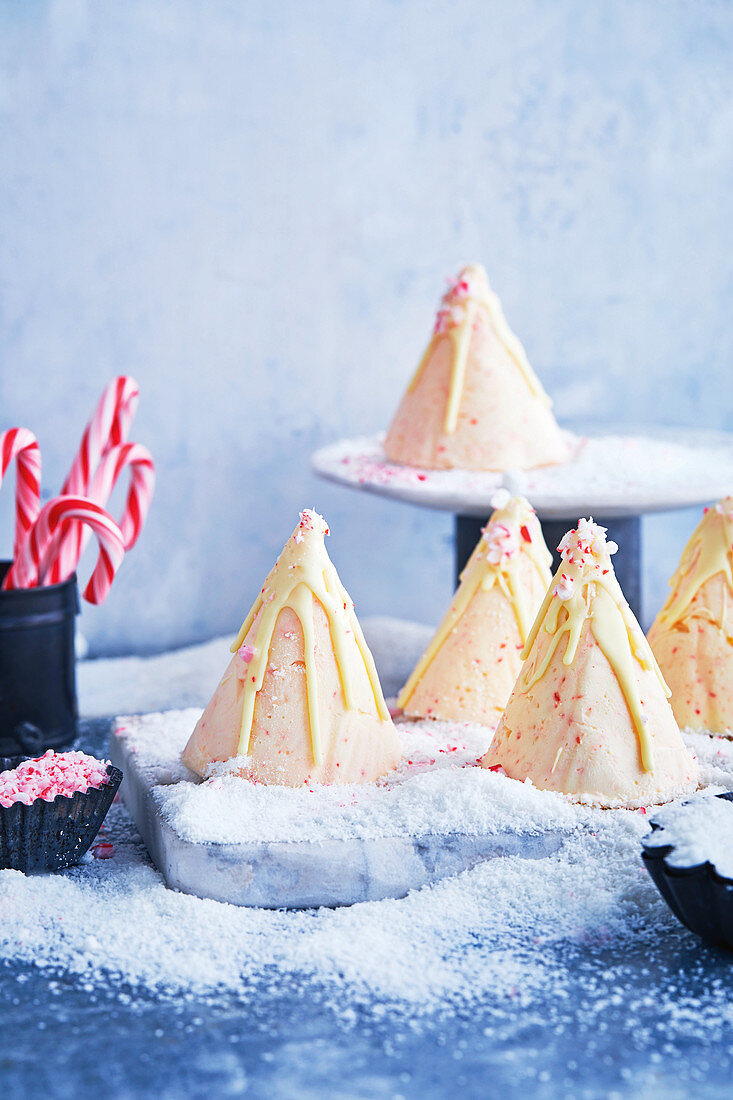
(252, 206)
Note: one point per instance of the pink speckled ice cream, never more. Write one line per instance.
(469, 669)
(692, 636)
(300, 701)
(589, 715)
(474, 402)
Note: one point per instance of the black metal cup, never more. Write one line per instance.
(38, 707)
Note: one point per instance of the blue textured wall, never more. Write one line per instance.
(252, 206)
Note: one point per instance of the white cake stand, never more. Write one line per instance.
(617, 478)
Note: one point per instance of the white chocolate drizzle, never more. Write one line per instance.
(708, 552)
(585, 589)
(513, 530)
(304, 573)
(467, 294)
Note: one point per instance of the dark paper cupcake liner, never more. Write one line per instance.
(698, 896)
(49, 836)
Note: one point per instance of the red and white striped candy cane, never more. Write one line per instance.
(32, 564)
(21, 445)
(139, 461)
(109, 426)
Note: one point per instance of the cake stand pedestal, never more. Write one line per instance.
(614, 477)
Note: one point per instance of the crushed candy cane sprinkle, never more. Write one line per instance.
(585, 545)
(565, 588)
(587, 541)
(452, 310)
(51, 775)
(310, 520)
(502, 539)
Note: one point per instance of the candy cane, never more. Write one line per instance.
(22, 445)
(139, 461)
(142, 483)
(32, 564)
(109, 426)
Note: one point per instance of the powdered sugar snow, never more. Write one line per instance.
(535, 933)
(493, 931)
(699, 832)
(500, 931)
(433, 791)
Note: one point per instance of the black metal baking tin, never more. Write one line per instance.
(698, 896)
(49, 836)
(38, 707)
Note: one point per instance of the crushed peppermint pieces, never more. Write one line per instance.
(585, 542)
(310, 520)
(51, 775)
(565, 587)
(452, 311)
(501, 542)
(103, 850)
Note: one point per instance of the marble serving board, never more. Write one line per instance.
(330, 871)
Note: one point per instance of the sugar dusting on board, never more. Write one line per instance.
(508, 932)
(505, 933)
(436, 789)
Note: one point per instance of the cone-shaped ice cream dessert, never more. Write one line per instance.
(474, 402)
(300, 701)
(469, 669)
(692, 636)
(589, 715)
